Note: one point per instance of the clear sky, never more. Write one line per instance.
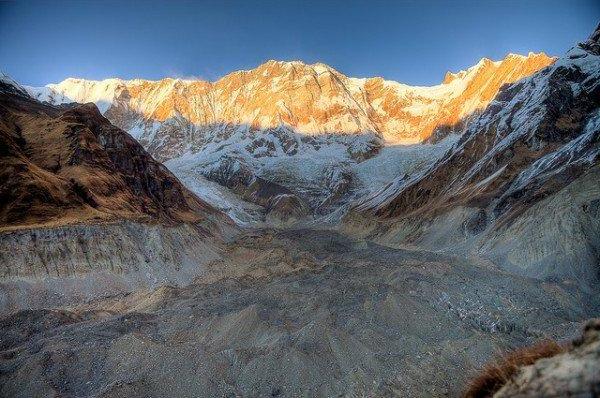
(413, 42)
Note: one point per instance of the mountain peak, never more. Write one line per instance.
(532, 61)
(318, 67)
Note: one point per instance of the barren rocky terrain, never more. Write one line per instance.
(291, 313)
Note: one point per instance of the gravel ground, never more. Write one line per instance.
(291, 313)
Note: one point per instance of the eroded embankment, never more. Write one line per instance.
(48, 267)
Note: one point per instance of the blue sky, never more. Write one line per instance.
(413, 42)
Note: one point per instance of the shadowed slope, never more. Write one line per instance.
(69, 164)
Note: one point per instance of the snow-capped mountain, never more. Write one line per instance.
(288, 128)
(311, 99)
(521, 186)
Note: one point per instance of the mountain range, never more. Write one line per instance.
(311, 99)
(289, 231)
(291, 129)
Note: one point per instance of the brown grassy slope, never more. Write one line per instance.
(69, 164)
(496, 374)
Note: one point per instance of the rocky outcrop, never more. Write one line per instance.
(575, 373)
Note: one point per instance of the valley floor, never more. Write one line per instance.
(291, 313)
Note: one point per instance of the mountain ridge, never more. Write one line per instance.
(311, 98)
(293, 62)
(253, 125)
(530, 158)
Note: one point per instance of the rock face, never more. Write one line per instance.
(50, 267)
(532, 156)
(576, 373)
(63, 164)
